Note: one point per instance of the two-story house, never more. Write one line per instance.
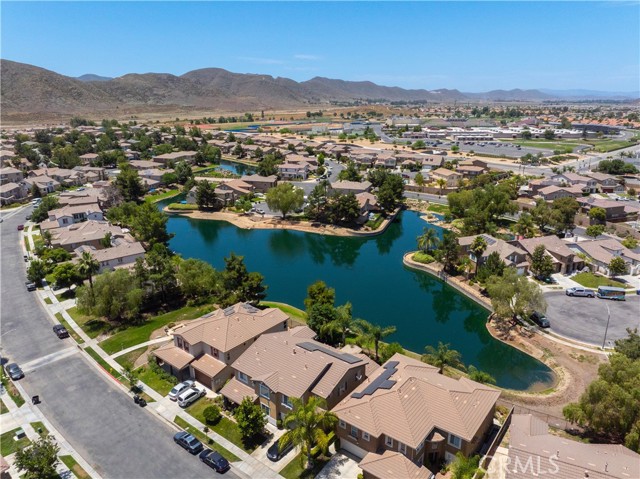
(355, 187)
(510, 254)
(564, 260)
(293, 171)
(409, 407)
(291, 364)
(607, 183)
(69, 215)
(206, 347)
(121, 254)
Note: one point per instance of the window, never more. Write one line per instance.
(264, 391)
(179, 342)
(286, 401)
(265, 409)
(214, 352)
(186, 346)
(402, 448)
(365, 436)
(455, 441)
(343, 387)
(243, 377)
(354, 432)
(342, 424)
(388, 441)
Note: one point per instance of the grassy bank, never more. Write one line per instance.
(295, 313)
(93, 327)
(155, 197)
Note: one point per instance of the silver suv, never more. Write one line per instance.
(578, 291)
(191, 395)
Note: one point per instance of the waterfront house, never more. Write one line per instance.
(89, 233)
(511, 255)
(169, 159)
(564, 260)
(260, 184)
(121, 254)
(451, 177)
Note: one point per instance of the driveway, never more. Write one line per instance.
(341, 466)
(585, 319)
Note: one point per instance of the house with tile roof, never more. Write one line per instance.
(451, 177)
(534, 452)
(205, 348)
(123, 254)
(89, 233)
(511, 254)
(291, 364)
(407, 406)
(601, 252)
(564, 260)
(391, 465)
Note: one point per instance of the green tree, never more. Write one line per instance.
(480, 376)
(150, 225)
(37, 271)
(465, 266)
(161, 270)
(41, 212)
(463, 467)
(350, 173)
(447, 251)
(629, 346)
(388, 350)
(368, 333)
(617, 266)
(526, 135)
(541, 262)
(317, 201)
(344, 208)
(196, 278)
(514, 295)
(239, 284)
(87, 267)
(441, 182)
(630, 242)
(38, 460)
(250, 419)
(320, 314)
(428, 240)
(268, 166)
(390, 193)
(541, 214)
(129, 183)
(549, 134)
(598, 214)
(212, 414)
(339, 326)
(205, 194)
(116, 297)
(66, 275)
(478, 247)
(35, 191)
(319, 293)
(594, 231)
(419, 179)
(130, 376)
(285, 198)
(525, 226)
(308, 425)
(563, 214)
(183, 172)
(442, 356)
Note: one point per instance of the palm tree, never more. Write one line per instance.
(478, 247)
(372, 333)
(525, 226)
(428, 239)
(480, 376)
(441, 182)
(465, 266)
(442, 356)
(308, 425)
(88, 266)
(46, 237)
(340, 325)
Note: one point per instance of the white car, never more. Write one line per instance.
(191, 395)
(179, 388)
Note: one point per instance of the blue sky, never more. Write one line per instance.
(475, 46)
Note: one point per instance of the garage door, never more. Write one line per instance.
(202, 378)
(352, 448)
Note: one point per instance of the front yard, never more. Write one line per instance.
(228, 455)
(8, 445)
(295, 469)
(590, 280)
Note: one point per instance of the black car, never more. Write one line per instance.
(540, 319)
(61, 331)
(14, 371)
(30, 286)
(274, 454)
(215, 460)
(188, 442)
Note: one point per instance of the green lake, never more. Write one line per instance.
(369, 273)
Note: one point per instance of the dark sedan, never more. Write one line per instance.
(14, 371)
(61, 331)
(215, 460)
(275, 454)
(187, 441)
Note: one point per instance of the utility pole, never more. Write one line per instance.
(607, 328)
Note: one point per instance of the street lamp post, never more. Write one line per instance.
(607, 328)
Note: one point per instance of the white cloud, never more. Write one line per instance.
(304, 56)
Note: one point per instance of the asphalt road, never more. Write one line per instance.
(585, 319)
(118, 438)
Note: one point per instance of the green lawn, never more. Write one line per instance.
(422, 257)
(295, 470)
(26, 244)
(440, 209)
(93, 327)
(228, 455)
(295, 313)
(8, 445)
(74, 467)
(590, 280)
(48, 300)
(96, 357)
(154, 380)
(605, 146)
(550, 144)
(11, 390)
(38, 426)
(3, 407)
(131, 357)
(180, 206)
(139, 334)
(72, 333)
(154, 198)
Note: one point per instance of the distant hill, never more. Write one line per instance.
(593, 94)
(28, 91)
(92, 77)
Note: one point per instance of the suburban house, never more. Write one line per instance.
(616, 211)
(45, 184)
(260, 183)
(607, 183)
(230, 191)
(470, 171)
(588, 185)
(143, 164)
(6, 156)
(68, 215)
(122, 254)
(154, 173)
(206, 347)
(554, 192)
(88, 158)
(89, 233)
(564, 260)
(601, 252)
(355, 187)
(9, 174)
(534, 452)
(290, 364)
(434, 416)
(451, 177)
(168, 159)
(87, 196)
(368, 204)
(509, 253)
(62, 175)
(391, 465)
(12, 192)
(293, 171)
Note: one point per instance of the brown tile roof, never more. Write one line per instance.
(176, 357)
(122, 250)
(531, 446)
(552, 243)
(422, 400)
(224, 329)
(208, 365)
(237, 391)
(392, 465)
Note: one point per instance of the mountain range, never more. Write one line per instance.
(29, 90)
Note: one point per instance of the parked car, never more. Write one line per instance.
(183, 386)
(191, 395)
(61, 331)
(579, 291)
(188, 442)
(20, 227)
(274, 454)
(540, 319)
(30, 286)
(14, 371)
(215, 460)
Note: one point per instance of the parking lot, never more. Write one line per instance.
(585, 319)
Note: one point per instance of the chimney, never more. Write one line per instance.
(606, 466)
(294, 350)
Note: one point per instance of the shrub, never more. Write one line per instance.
(424, 258)
(212, 414)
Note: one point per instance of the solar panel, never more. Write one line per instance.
(381, 382)
(347, 358)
